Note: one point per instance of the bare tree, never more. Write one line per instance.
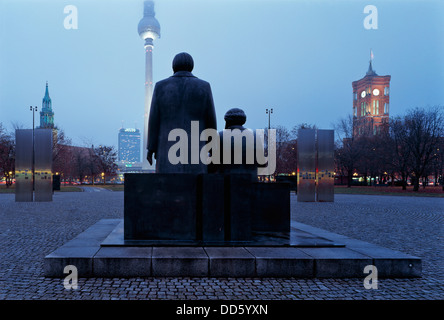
(7, 155)
(78, 163)
(401, 156)
(304, 125)
(348, 146)
(423, 131)
(106, 159)
(60, 150)
(438, 163)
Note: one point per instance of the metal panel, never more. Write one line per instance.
(23, 165)
(306, 165)
(43, 164)
(325, 172)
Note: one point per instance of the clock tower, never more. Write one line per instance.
(371, 103)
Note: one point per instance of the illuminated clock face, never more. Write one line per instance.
(363, 94)
(376, 92)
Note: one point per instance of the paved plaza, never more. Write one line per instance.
(30, 231)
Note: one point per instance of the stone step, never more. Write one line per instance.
(93, 260)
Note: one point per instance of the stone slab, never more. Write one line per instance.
(296, 238)
(122, 262)
(238, 207)
(230, 262)
(80, 257)
(282, 262)
(211, 220)
(271, 207)
(391, 263)
(338, 262)
(79, 251)
(179, 262)
(160, 206)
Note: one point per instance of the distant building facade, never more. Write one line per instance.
(46, 115)
(371, 103)
(129, 145)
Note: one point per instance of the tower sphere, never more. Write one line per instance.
(149, 27)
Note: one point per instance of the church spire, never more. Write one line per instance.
(46, 115)
(46, 103)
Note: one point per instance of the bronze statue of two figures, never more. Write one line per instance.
(205, 189)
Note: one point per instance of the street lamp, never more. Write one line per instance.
(269, 112)
(33, 109)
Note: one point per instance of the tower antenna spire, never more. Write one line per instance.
(149, 30)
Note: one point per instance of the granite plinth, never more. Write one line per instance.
(95, 256)
(160, 206)
(203, 207)
(211, 216)
(295, 238)
(271, 207)
(239, 198)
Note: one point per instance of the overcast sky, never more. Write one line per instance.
(297, 57)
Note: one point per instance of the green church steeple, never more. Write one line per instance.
(46, 115)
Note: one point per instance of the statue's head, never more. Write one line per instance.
(235, 116)
(183, 62)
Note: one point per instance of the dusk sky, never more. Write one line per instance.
(297, 57)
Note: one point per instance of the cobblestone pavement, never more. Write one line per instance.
(30, 231)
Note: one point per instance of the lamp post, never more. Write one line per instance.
(33, 109)
(269, 112)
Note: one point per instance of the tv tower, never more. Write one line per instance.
(149, 30)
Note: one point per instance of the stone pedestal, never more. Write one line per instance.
(160, 206)
(239, 198)
(271, 207)
(203, 207)
(212, 211)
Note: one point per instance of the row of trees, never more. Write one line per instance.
(412, 148)
(7, 155)
(80, 163)
(70, 162)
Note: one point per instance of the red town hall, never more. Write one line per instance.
(371, 96)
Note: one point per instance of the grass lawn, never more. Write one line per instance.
(429, 191)
(69, 189)
(112, 187)
(3, 189)
(11, 189)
